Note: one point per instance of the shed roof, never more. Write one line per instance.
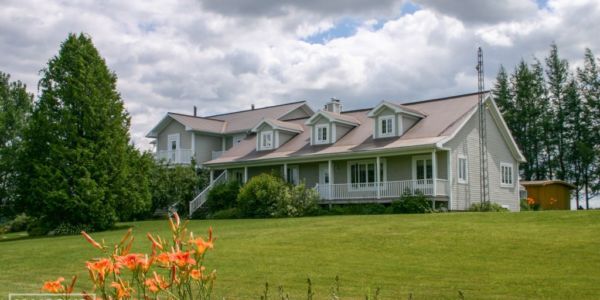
(547, 182)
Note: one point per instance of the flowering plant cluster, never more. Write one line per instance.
(173, 270)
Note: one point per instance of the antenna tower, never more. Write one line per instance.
(483, 165)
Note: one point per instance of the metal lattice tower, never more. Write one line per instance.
(483, 164)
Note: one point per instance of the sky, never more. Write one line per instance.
(225, 55)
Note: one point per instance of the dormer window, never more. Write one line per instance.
(387, 126)
(266, 138)
(322, 134)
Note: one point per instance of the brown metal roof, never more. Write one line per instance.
(246, 119)
(443, 118)
(546, 182)
(199, 123)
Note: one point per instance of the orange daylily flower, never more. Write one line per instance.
(530, 201)
(130, 261)
(91, 240)
(100, 268)
(201, 244)
(181, 259)
(54, 286)
(123, 289)
(164, 259)
(197, 274)
(156, 283)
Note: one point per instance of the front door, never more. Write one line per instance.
(293, 175)
(172, 147)
(323, 174)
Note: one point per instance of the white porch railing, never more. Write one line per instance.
(181, 156)
(216, 154)
(382, 190)
(202, 197)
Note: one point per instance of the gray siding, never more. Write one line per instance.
(408, 122)
(185, 137)
(466, 142)
(341, 130)
(205, 145)
(295, 114)
(284, 137)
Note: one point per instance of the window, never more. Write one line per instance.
(266, 138)
(239, 176)
(423, 168)
(322, 134)
(362, 173)
(506, 170)
(386, 126)
(462, 169)
(293, 175)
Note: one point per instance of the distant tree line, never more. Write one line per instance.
(66, 159)
(554, 115)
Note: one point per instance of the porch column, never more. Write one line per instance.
(330, 174)
(223, 143)
(245, 174)
(212, 176)
(378, 177)
(285, 178)
(434, 176)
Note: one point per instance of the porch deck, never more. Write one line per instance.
(382, 192)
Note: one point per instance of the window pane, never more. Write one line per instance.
(362, 173)
(353, 178)
(420, 170)
(371, 173)
(381, 172)
(429, 169)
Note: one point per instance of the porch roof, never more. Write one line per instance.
(443, 118)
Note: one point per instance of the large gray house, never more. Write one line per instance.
(366, 155)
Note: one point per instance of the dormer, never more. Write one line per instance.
(329, 125)
(392, 120)
(272, 133)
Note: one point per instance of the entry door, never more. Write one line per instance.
(173, 146)
(323, 174)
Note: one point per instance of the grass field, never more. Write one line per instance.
(528, 255)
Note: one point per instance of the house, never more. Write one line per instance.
(365, 155)
(549, 194)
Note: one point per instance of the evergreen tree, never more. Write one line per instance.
(15, 108)
(577, 130)
(541, 134)
(501, 93)
(589, 148)
(74, 159)
(557, 74)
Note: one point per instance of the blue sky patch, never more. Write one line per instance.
(343, 28)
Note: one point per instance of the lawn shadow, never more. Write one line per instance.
(22, 235)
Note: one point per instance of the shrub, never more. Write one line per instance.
(222, 196)
(487, 207)
(19, 223)
(228, 213)
(412, 204)
(302, 201)
(264, 195)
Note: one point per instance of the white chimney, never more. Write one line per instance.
(334, 106)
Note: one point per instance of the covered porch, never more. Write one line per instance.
(381, 178)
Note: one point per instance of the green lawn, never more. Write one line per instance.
(486, 255)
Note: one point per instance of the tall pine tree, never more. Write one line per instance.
(557, 74)
(15, 108)
(76, 145)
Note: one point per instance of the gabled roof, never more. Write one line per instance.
(191, 123)
(280, 125)
(235, 122)
(242, 121)
(333, 117)
(445, 117)
(397, 108)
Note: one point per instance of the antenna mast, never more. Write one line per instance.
(483, 165)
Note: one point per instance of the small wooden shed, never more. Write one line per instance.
(550, 194)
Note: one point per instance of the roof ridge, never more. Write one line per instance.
(185, 115)
(444, 98)
(264, 107)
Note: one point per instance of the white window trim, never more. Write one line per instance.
(328, 132)
(512, 175)
(466, 179)
(262, 140)
(414, 165)
(393, 126)
(352, 188)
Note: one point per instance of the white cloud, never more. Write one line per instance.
(222, 56)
